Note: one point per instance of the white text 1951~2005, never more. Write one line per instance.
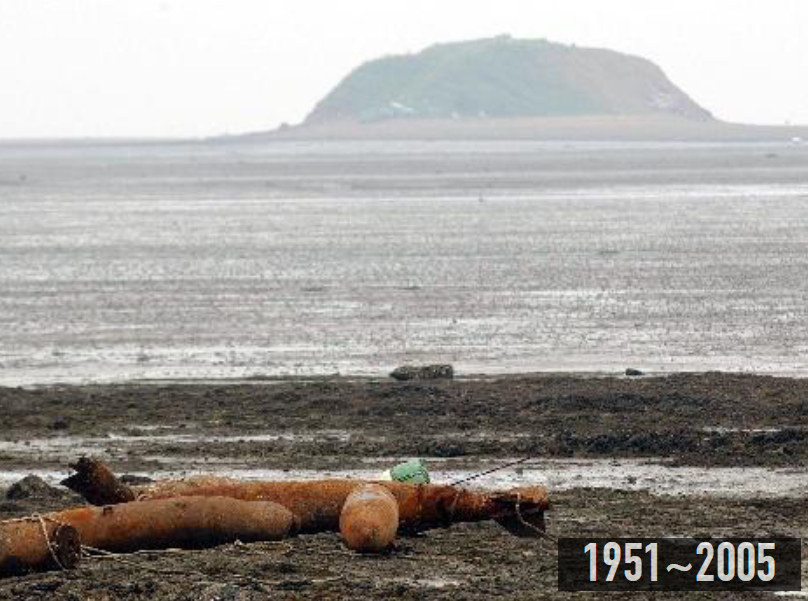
(744, 561)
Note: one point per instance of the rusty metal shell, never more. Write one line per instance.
(369, 519)
(37, 544)
(185, 522)
(318, 504)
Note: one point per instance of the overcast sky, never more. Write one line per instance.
(201, 67)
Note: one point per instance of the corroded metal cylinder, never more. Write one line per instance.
(369, 519)
(37, 544)
(318, 504)
(185, 522)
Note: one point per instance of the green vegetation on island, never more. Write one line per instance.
(504, 77)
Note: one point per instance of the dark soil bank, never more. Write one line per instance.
(707, 419)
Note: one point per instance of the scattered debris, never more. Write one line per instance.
(423, 372)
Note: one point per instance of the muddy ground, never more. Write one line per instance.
(464, 562)
(702, 420)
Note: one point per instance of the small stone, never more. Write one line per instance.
(423, 372)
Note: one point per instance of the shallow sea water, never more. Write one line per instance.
(653, 476)
(217, 260)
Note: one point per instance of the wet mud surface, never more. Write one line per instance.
(703, 421)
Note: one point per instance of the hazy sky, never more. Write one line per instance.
(200, 67)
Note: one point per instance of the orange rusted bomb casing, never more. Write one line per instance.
(37, 544)
(186, 522)
(428, 506)
(369, 519)
(318, 504)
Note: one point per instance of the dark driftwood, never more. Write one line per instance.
(95, 482)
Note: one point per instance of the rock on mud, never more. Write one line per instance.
(423, 372)
(33, 487)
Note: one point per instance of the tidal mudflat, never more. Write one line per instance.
(236, 260)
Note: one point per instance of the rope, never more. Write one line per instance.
(48, 543)
(491, 471)
(94, 553)
(31, 518)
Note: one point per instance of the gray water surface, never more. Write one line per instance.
(233, 260)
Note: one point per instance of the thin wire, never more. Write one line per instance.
(491, 471)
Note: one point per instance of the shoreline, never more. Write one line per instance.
(381, 376)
